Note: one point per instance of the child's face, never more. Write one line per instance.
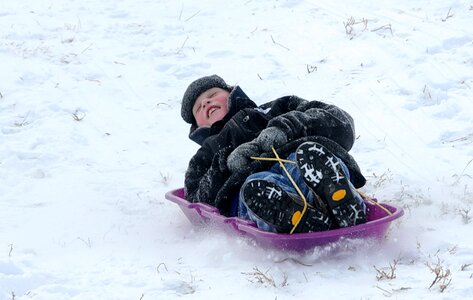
(211, 106)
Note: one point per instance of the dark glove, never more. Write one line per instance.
(271, 137)
(241, 155)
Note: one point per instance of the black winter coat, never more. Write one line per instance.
(208, 179)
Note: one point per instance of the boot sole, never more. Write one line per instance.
(322, 172)
(273, 205)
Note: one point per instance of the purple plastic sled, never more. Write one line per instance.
(376, 226)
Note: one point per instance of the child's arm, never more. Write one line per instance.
(313, 118)
(297, 117)
(332, 123)
(205, 175)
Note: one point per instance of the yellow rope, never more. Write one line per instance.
(273, 159)
(297, 189)
(366, 197)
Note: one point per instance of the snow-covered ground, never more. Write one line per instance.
(91, 139)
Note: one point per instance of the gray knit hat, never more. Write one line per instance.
(195, 89)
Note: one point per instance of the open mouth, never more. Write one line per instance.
(211, 111)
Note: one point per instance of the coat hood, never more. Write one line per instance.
(237, 100)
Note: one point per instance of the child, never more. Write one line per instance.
(313, 190)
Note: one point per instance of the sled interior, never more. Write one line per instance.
(376, 226)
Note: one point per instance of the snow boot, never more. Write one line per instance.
(323, 173)
(273, 205)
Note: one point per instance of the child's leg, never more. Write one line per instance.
(271, 200)
(279, 176)
(329, 178)
(244, 212)
(296, 174)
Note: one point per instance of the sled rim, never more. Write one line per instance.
(205, 214)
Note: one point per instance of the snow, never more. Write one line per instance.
(91, 139)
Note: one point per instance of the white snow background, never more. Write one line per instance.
(91, 139)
